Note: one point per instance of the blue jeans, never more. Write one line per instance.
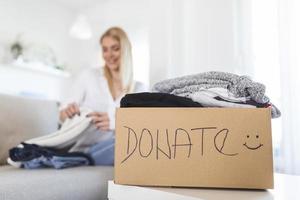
(103, 152)
(56, 162)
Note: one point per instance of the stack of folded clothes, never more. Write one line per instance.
(32, 156)
(76, 143)
(209, 89)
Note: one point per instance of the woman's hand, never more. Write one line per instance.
(71, 110)
(100, 119)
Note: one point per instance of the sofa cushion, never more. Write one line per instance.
(24, 118)
(89, 182)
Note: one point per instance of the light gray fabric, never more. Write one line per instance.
(239, 86)
(90, 137)
(88, 183)
(71, 130)
(24, 118)
(207, 100)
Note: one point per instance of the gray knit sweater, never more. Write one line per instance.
(240, 86)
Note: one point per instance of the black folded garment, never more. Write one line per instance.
(147, 99)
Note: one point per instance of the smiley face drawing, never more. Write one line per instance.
(253, 147)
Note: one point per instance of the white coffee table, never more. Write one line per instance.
(287, 187)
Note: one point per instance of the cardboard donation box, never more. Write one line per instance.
(194, 147)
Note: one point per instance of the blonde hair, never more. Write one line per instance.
(126, 68)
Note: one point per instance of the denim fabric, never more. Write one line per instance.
(55, 162)
(103, 152)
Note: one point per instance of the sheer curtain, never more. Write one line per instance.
(289, 59)
(273, 31)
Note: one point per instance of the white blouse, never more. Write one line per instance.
(91, 90)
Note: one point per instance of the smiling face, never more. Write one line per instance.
(252, 142)
(111, 52)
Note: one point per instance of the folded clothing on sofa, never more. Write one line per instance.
(32, 156)
(76, 143)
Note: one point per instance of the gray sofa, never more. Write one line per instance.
(24, 118)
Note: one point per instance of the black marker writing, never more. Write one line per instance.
(159, 149)
(189, 144)
(140, 143)
(220, 150)
(144, 142)
(202, 135)
(130, 130)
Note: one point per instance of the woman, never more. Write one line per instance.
(102, 89)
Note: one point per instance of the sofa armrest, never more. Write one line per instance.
(24, 118)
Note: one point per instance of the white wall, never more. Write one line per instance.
(174, 37)
(40, 23)
(203, 36)
(184, 36)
